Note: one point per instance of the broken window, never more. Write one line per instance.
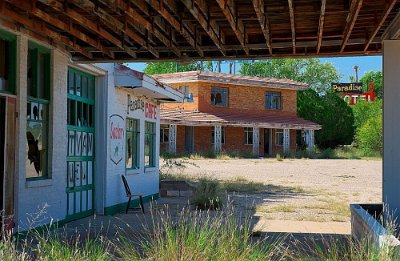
(219, 96)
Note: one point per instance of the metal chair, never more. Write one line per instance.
(130, 195)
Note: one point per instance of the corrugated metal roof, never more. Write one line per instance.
(229, 79)
(238, 119)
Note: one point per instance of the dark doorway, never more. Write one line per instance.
(267, 138)
(189, 139)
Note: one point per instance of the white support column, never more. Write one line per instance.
(172, 138)
(310, 141)
(391, 127)
(217, 139)
(286, 140)
(256, 140)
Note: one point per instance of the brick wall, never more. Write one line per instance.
(240, 97)
(234, 140)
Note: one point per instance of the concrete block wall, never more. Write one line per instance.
(34, 206)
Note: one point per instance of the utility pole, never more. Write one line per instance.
(356, 69)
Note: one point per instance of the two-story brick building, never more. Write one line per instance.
(224, 112)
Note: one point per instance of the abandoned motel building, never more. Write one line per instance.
(68, 131)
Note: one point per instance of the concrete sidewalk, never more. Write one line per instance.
(136, 222)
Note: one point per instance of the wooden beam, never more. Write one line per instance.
(292, 25)
(100, 31)
(36, 26)
(262, 17)
(133, 17)
(393, 30)
(236, 24)
(321, 25)
(209, 27)
(350, 21)
(158, 6)
(387, 11)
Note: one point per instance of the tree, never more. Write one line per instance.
(376, 78)
(332, 113)
(317, 75)
(171, 67)
(363, 110)
(368, 123)
(370, 136)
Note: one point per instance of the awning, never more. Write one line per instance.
(143, 84)
(237, 119)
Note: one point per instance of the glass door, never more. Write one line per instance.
(80, 157)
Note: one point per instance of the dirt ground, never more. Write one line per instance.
(308, 190)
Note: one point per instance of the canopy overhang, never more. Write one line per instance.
(187, 30)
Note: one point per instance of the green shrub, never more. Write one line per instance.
(208, 194)
(370, 136)
(327, 154)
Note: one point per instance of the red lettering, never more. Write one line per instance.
(117, 133)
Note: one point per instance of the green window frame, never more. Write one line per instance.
(38, 101)
(80, 102)
(8, 60)
(132, 143)
(150, 144)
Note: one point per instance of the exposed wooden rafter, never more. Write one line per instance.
(321, 25)
(35, 26)
(228, 8)
(355, 8)
(133, 17)
(158, 6)
(393, 30)
(204, 20)
(262, 17)
(385, 14)
(292, 25)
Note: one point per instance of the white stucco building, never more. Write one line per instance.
(68, 132)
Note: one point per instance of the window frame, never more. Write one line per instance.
(12, 71)
(44, 100)
(248, 132)
(135, 139)
(222, 135)
(277, 142)
(152, 145)
(222, 90)
(163, 128)
(269, 105)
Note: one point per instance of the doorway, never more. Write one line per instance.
(267, 142)
(189, 139)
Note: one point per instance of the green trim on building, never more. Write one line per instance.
(12, 73)
(118, 208)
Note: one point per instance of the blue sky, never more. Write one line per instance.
(343, 64)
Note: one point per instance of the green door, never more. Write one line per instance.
(80, 157)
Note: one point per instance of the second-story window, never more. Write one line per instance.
(219, 96)
(273, 101)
